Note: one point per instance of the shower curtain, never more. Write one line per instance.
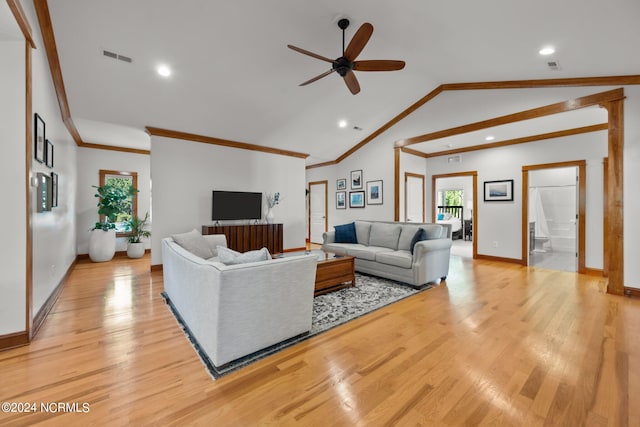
(536, 213)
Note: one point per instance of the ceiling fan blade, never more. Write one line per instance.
(358, 41)
(306, 52)
(378, 65)
(317, 77)
(352, 82)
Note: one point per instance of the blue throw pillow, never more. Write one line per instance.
(420, 235)
(440, 216)
(346, 233)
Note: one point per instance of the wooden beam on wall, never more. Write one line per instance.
(510, 84)
(560, 107)
(413, 107)
(414, 152)
(167, 133)
(23, 22)
(515, 141)
(396, 184)
(28, 189)
(615, 217)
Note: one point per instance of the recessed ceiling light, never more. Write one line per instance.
(490, 138)
(547, 50)
(164, 71)
(342, 123)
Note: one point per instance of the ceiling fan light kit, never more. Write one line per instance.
(346, 64)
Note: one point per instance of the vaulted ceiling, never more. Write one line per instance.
(233, 76)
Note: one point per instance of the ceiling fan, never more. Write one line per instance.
(347, 64)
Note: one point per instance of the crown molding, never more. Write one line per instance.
(114, 148)
(529, 84)
(167, 133)
(49, 40)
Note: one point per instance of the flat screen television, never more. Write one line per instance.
(229, 205)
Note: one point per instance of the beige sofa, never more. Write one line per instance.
(383, 249)
(235, 310)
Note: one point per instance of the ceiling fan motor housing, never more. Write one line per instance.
(342, 66)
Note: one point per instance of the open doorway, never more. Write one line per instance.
(555, 216)
(454, 202)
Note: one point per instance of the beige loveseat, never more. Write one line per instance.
(235, 310)
(384, 249)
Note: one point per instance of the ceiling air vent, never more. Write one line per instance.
(110, 54)
(454, 159)
(553, 65)
(117, 56)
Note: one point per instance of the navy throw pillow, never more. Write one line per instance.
(420, 235)
(346, 233)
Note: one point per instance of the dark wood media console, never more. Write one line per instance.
(243, 238)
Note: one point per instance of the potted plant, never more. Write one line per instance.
(112, 200)
(137, 228)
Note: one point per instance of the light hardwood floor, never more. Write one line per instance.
(498, 344)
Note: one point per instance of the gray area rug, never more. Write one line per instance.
(329, 310)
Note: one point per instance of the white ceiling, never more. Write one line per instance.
(234, 78)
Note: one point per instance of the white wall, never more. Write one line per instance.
(184, 174)
(12, 172)
(501, 221)
(54, 231)
(376, 162)
(90, 161)
(377, 157)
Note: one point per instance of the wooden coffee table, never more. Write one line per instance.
(333, 272)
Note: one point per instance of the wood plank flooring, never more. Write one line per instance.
(498, 344)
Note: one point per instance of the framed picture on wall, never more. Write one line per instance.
(374, 192)
(43, 193)
(54, 189)
(49, 154)
(356, 179)
(341, 184)
(39, 138)
(498, 191)
(341, 200)
(356, 199)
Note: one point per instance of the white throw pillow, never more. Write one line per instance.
(230, 257)
(194, 243)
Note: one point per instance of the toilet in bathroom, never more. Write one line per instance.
(540, 242)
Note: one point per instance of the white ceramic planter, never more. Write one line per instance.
(102, 245)
(135, 250)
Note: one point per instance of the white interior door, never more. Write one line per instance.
(414, 198)
(317, 211)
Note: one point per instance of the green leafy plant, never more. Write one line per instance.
(112, 201)
(136, 227)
